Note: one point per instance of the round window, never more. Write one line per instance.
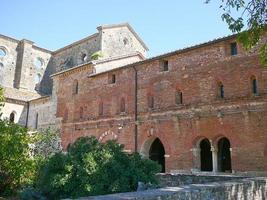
(84, 57)
(37, 78)
(1, 65)
(2, 52)
(39, 63)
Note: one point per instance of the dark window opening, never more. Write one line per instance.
(12, 117)
(233, 48)
(150, 101)
(100, 109)
(254, 85)
(221, 90)
(165, 65)
(112, 79)
(36, 121)
(179, 97)
(122, 106)
(81, 112)
(75, 87)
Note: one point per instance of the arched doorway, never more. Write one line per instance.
(205, 155)
(224, 155)
(157, 152)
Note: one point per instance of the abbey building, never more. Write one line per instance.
(202, 108)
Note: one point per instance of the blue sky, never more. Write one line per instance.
(164, 25)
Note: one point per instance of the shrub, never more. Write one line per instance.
(93, 168)
(16, 164)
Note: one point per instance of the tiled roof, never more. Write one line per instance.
(13, 93)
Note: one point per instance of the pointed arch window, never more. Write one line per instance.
(122, 105)
(178, 97)
(100, 108)
(150, 101)
(75, 87)
(81, 112)
(220, 90)
(254, 85)
(36, 121)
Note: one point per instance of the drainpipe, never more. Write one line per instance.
(27, 116)
(135, 112)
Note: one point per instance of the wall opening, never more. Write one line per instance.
(157, 152)
(220, 90)
(224, 155)
(12, 117)
(205, 155)
(254, 85)
(36, 121)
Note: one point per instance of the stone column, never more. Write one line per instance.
(196, 159)
(214, 159)
(231, 154)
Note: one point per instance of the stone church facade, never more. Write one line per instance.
(202, 108)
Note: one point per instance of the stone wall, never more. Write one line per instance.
(26, 67)
(120, 40)
(19, 65)
(8, 62)
(18, 108)
(242, 189)
(176, 180)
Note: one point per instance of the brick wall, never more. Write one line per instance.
(240, 116)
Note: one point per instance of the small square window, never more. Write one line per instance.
(233, 48)
(112, 79)
(165, 65)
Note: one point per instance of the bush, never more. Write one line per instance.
(93, 168)
(17, 167)
(47, 143)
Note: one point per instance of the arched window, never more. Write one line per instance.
(12, 117)
(75, 87)
(122, 105)
(81, 112)
(36, 121)
(254, 85)
(150, 102)
(39, 63)
(178, 97)
(38, 78)
(220, 90)
(100, 108)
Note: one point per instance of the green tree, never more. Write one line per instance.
(47, 143)
(251, 15)
(93, 168)
(2, 99)
(17, 167)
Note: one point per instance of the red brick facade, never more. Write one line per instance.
(181, 106)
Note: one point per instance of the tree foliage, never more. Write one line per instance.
(252, 15)
(2, 99)
(93, 168)
(47, 143)
(16, 164)
(21, 155)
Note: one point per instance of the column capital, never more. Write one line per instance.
(213, 149)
